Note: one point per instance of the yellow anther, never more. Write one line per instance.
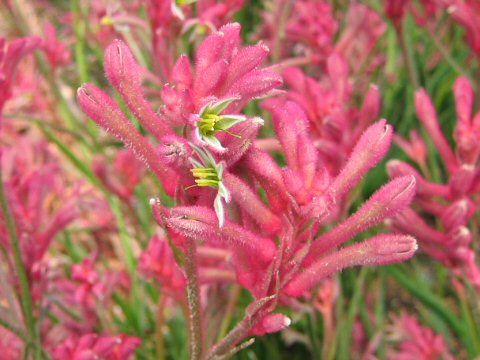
(207, 123)
(106, 21)
(207, 182)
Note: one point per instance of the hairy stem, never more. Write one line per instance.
(193, 298)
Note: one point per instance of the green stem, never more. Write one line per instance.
(429, 299)
(312, 322)
(159, 338)
(227, 318)
(408, 56)
(284, 9)
(470, 325)
(26, 296)
(79, 29)
(347, 328)
(380, 311)
(13, 329)
(28, 342)
(447, 56)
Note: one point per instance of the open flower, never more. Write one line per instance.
(210, 174)
(209, 122)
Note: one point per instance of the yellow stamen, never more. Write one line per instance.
(205, 177)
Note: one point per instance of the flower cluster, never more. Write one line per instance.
(274, 246)
(454, 202)
(233, 177)
(415, 341)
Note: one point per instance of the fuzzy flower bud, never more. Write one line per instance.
(252, 205)
(271, 323)
(102, 109)
(240, 140)
(371, 106)
(379, 250)
(386, 202)
(123, 72)
(368, 152)
(415, 147)
(458, 213)
(200, 222)
(463, 100)
(428, 116)
(397, 168)
(462, 180)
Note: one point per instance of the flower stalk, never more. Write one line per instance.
(26, 296)
(193, 299)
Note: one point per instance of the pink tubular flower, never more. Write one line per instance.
(92, 346)
(158, 262)
(416, 341)
(10, 55)
(396, 10)
(467, 13)
(123, 176)
(307, 32)
(211, 15)
(223, 71)
(88, 290)
(124, 74)
(103, 110)
(428, 116)
(56, 52)
(335, 126)
(312, 24)
(380, 250)
(454, 202)
(37, 197)
(270, 324)
(364, 27)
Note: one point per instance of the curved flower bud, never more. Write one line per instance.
(271, 323)
(368, 152)
(379, 250)
(386, 202)
(415, 147)
(102, 109)
(397, 168)
(246, 60)
(199, 222)
(244, 135)
(463, 100)
(458, 213)
(428, 116)
(409, 222)
(123, 72)
(462, 180)
(249, 202)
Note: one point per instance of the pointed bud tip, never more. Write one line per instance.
(395, 248)
(153, 201)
